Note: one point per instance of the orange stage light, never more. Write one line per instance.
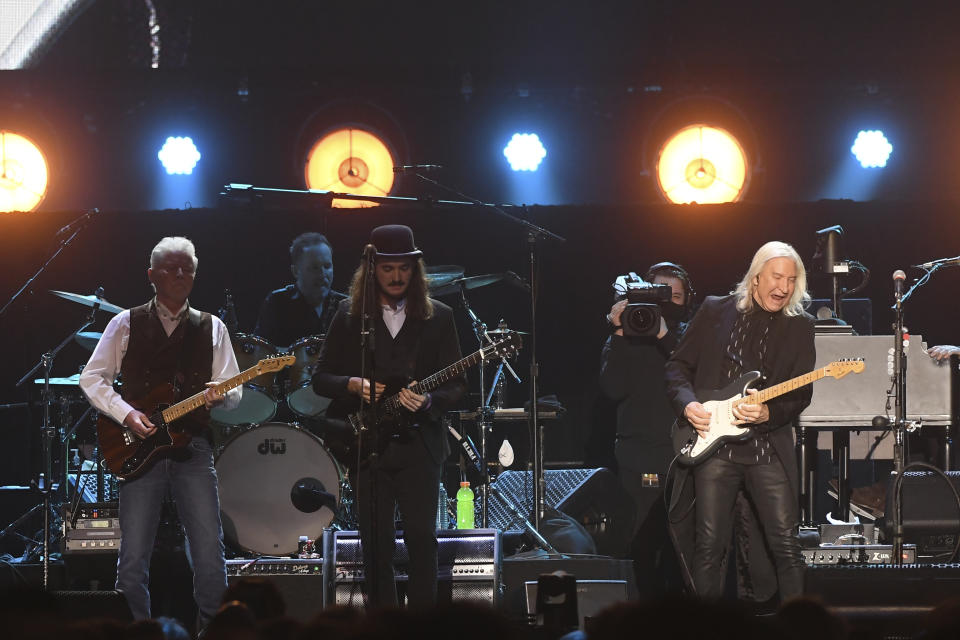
(702, 164)
(350, 160)
(23, 173)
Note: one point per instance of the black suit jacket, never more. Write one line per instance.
(420, 349)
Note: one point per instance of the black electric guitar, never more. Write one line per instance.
(127, 456)
(693, 449)
(372, 427)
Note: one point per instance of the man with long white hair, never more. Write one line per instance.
(761, 326)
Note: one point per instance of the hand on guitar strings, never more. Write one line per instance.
(410, 400)
(751, 413)
(698, 417)
(212, 397)
(361, 387)
(139, 424)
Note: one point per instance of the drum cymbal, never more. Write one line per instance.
(72, 381)
(471, 282)
(439, 275)
(88, 301)
(503, 332)
(88, 339)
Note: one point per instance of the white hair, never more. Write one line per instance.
(173, 244)
(774, 249)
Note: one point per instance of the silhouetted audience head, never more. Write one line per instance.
(806, 617)
(261, 595)
(232, 622)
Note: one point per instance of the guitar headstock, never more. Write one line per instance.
(276, 362)
(840, 368)
(505, 347)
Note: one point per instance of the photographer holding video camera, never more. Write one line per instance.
(646, 321)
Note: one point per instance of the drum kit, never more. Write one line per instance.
(267, 499)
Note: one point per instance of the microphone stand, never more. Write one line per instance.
(45, 483)
(369, 430)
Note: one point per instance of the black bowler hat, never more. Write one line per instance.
(394, 241)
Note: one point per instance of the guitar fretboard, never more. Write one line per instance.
(784, 387)
(195, 401)
(392, 404)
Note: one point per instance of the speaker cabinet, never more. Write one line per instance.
(469, 563)
(300, 581)
(931, 515)
(593, 497)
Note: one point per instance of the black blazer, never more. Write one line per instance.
(421, 348)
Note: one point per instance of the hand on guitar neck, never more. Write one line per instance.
(361, 387)
(699, 418)
(139, 423)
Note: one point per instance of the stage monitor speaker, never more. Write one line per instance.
(931, 515)
(300, 581)
(593, 497)
(469, 562)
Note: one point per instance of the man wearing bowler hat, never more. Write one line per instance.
(413, 337)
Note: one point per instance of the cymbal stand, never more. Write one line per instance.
(485, 413)
(45, 484)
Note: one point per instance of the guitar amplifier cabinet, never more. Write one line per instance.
(469, 563)
(299, 580)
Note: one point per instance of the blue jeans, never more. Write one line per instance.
(192, 481)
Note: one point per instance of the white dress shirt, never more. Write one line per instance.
(393, 317)
(101, 370)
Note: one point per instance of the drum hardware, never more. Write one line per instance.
(300, 395)
(277, 482)
(46, 482)
(454, 287)
(439, 275)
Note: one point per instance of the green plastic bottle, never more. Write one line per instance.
(464, 506)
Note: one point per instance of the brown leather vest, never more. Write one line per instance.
(185, 359)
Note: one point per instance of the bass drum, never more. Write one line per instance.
(277, 483)
(301, 398)
(257, 403)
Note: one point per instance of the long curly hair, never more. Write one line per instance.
(419, 304)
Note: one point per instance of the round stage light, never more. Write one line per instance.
(525, 152)
(872, 149)
(23, 173)
(702, 164)
(350, 160)
(179, 155)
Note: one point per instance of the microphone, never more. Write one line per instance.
(898, 280)
(413, 168)
(76, 223)
(942, 262)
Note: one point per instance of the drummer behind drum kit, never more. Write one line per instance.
(277, 480)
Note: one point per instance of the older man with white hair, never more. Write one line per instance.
(761, 326)
(167, 341)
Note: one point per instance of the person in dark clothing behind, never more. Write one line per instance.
(631, 375)
(760, 327)
(414, 338)
(306, 307)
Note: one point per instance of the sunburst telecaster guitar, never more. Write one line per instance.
(127, 456)
(693, 448)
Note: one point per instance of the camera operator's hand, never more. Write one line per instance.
(614, 317)
(698, 417)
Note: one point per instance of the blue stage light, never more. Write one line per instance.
(525, 152)
(872, 149)
(179, 155)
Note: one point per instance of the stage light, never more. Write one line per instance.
(872, 149)
(350, 160)
(525, 152)
(23, 173)
(179, 155)
(702, 164)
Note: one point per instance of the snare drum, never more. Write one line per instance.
(301, 398)
(258, 403)
(277, 483)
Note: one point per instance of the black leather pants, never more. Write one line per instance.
(768, 489)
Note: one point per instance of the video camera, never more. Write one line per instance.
(642, 315)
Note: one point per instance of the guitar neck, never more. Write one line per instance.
(432, 382)
(784, 387)
(182, 408)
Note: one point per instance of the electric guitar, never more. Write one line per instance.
(127, 456)
(694, 449)
(372, 427)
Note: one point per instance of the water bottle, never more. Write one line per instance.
(442, 518)
(464, 506)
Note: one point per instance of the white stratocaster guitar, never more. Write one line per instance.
(693, 449)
